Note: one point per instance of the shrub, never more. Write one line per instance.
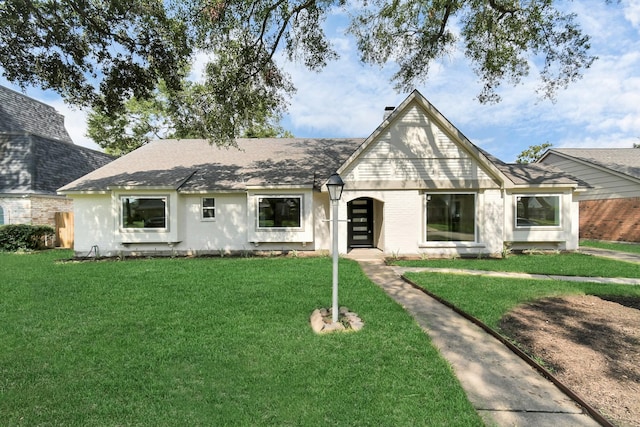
(14, 237)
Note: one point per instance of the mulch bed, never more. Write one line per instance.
(590, 344)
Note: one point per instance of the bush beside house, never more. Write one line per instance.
(15, 237)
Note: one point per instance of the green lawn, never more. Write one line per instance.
(168, 342)
(566, 264)
(490, 298)
(633, 248)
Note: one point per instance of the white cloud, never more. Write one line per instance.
(632, 12)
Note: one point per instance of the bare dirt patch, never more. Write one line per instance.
(591, 344)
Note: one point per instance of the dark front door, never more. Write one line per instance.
(360, 214)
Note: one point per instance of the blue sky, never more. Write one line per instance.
(347, 98)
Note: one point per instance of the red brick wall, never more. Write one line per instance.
(612, 219)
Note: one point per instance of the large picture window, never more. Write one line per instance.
(537, 211)
(451, 217)
(144, 212)
(279, 212)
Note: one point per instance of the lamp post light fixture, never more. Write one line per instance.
(335, 186)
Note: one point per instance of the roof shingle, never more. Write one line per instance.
(197, 166)
(34, 164)
(21, 114)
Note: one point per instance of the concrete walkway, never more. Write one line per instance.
(606, 253)
(503, 388)
(613, 280)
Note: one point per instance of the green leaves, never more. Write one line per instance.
(533, 153)
(105, 54)
(76, 47)
(500, 38)
(199, 110)
(411, 33)
(503, 41)
(15, 237)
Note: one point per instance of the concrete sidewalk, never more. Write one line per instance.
(503, 388)
(613, 280)
(606, 253)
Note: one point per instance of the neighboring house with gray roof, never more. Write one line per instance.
(415, 185)
(610, 206)
(37, 157)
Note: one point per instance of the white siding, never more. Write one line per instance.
(415, 149)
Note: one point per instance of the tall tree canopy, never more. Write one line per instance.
(104, 53)
(159, 117)
(98, 53)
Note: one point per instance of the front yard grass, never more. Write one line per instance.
(564, 264)
(489, 298)
(212, 341)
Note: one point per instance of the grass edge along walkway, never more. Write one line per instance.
(561, 264)
(211, 342)
(488, 298)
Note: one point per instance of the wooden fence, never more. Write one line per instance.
(64, 229)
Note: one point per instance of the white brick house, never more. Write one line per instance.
(416, 185)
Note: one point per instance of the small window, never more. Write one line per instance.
(451, 217)
(208, 208)
(1, 216)
(144, 212)
(279, 212)
(537, 211)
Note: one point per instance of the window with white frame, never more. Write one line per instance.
(279, 212)
(451, 217)
(208, 208)
(139, 212)
(537, 211)
(1, 216)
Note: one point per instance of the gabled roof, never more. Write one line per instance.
(32, 164)
(21, 114)
(625, 161)
(509, 174)
(197, 166)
